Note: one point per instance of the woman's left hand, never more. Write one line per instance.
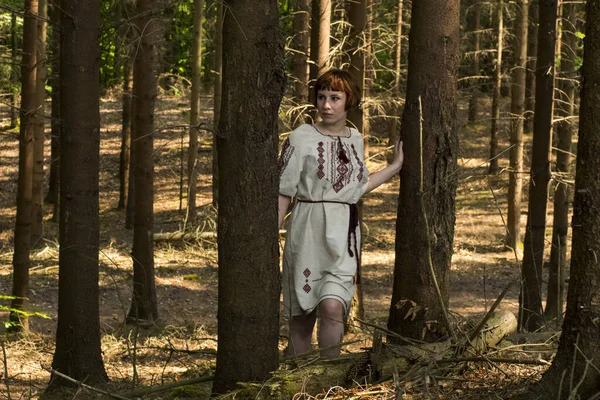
(398, 159)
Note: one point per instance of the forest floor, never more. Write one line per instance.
(183, 342)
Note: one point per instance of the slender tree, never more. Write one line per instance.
(78, 353)
(564, 133)
(573, 369)
(475, 25)
(517, 110)
(192, 173)
(426, 216)
(37, 191)
(493, 169)
(393, 127)
(143, 303)
(320, 28)
(532, 43)
(530, 302)
(357, 12)
(14, 76)
(249, 281)
(300, 44)
(22, 238)
(126, 125)
(217, 99)
(56, 123)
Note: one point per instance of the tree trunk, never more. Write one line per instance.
(37, 187)
(393, 127)
(530, 302)
(320, 28)
(249, 281)
(56, 122)
(356, 50)
(579, 343)
(192, 174)
(144, 308)
(217, 100)
(532, 43)
(426, 215)
(78, 352)
(126, 125)
(493, 169)
(475, 22)
(22, 238)
(130, 202)
(14, 72)
(564, 130)
(300, 44)
(517, 110)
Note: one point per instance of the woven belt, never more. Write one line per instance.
(353, 208)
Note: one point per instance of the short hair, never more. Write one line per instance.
(340, 81)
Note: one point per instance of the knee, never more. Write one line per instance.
(331, 309)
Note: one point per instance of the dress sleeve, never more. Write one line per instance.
(290, 166)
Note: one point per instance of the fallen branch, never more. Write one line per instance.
(83, 385)
(188, 236)
(141, 392)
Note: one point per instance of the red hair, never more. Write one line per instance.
(339, 81)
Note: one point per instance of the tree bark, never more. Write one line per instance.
(56, 122)
(37, 190)
(532, 43)
(14, 115)
(356, 50)
(22, 238)
(579, 343)
(475, 22)
(530, 302)
(249, 281)
(78, 352)
(493, 169)
(517, 110)
(393, 127)
(564, 132)
(194, 110)
(300, 44)
(144, 308)
(125, 181)
(426, 215)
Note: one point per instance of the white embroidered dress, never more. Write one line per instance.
(316, 260)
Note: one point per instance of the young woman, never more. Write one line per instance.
(322, 166)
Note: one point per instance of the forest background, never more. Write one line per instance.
(128, 129)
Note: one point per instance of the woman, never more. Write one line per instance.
(322, 166)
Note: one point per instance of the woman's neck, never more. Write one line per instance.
(338, 129)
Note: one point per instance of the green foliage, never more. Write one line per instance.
(13, 324)
(10, 72)
(192, 277)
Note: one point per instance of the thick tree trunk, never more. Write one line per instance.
(320, 27)
(356, 50)
(217, 100)
(300, 44)
(517, 110)
(22, 238)
(144, 308)
(249, 281)
(579, 344)
(493, 169)
(393, 127)
(532, 43)
(426, 215)
(56, 122)
(475, 22)
(192, 174)
(564, 130)
(125, 156)
(530, 302)
(78, 352)
(37, 187)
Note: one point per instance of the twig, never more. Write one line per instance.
(315, 351)
(4, 359)
(83, 385)
(390, 333)
(141, 392)
(487, 359)
(489, 314)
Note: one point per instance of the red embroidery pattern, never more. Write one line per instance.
(286, 155)
(340, 173)
(320, 161)
(307, 288)
(306, 272)
(361, 166)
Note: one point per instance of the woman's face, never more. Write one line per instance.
(331, 106)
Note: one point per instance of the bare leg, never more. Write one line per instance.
(331, 330)
(301, 329)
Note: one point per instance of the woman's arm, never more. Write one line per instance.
(380, 177)
(284, 203)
